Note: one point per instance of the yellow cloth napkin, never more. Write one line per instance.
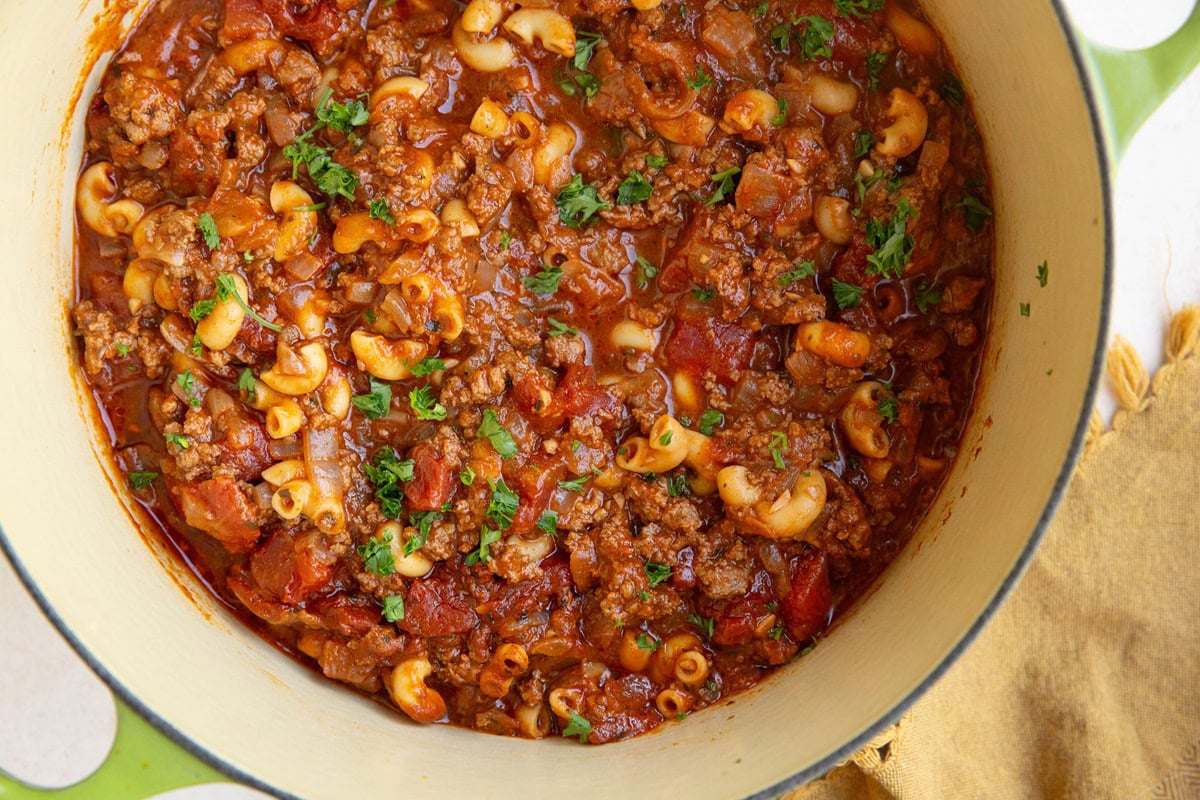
(1087, 682)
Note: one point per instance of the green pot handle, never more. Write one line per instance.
(1132, 84)
(142, 763)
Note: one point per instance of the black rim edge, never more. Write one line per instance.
(1099, 140)
(832, 760)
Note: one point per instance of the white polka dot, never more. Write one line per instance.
(59, 720)
(1128, 26)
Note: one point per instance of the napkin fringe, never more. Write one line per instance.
(1133, 385)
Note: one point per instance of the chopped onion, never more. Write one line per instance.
(303, 266)
(360, 292)
(261, 495)
(321, 444)
(281, 449)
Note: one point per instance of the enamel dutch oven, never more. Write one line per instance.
(179, 659)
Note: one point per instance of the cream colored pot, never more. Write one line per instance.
(199, 675)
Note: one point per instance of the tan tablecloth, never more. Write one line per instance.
(1087, 682)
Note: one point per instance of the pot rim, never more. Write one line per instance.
(1091, 92)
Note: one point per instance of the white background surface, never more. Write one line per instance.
(58, 720)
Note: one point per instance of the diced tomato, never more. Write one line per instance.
(535, 482)
(244, 19)
(219, 508)
(244, 450)
(807, 607)
(518, 600)
(701, 344)
(432, 485)
(850, 265)
(436, 606)
(320, 26)
(737, 621)
(292, 570)
(343, 614)
(690, 258)
(108, 293)
(578, 395)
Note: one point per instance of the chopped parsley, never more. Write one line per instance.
(888, 409)
(812, 34)
(197, 347)
(377, 557)
(548, 522)
(202, 309)
(861, 184)
(377, 402)
(141, 480)
(761, 9)
(781, 117)
(505, 240)
(393, 608)
(578, 726)
(704, 295)
(423, 522)
(857, 8)
(701, 79)
(227, 288)
(657, 573)
(208, 229)
(488, 536)
(560, 329)
(491, 429)
(665, 439)
(379, 210)
(677, 486)
(248, 384)
(425, 405)
(586, 43)
(576, 484)
(187, 382)
(705, 624)
(974, 211)
(589, 83)
(645, 642)
(503, 505)
(847, 295)
(634, 189)
(1024, 309)
(893, 246)
(467, 476)
(500, 511)
(951, 89)
(779, 443)
(578, 203)
(724, 182)
(709, 420)
(803, 269)
(177, 439)
(875, 62)
(864, 140)
(342, 117)
(386, 472)
(1043, 274)
(927, 296)
(426, 366)
(656, 161)
(776, 633)
(122, 349)
(545, 281)
(644, 271)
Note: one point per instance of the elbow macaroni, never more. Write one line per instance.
(909, 127)
(218, 330)
(314, 367)
(406, 685)
(386, 359)
(95, 198)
